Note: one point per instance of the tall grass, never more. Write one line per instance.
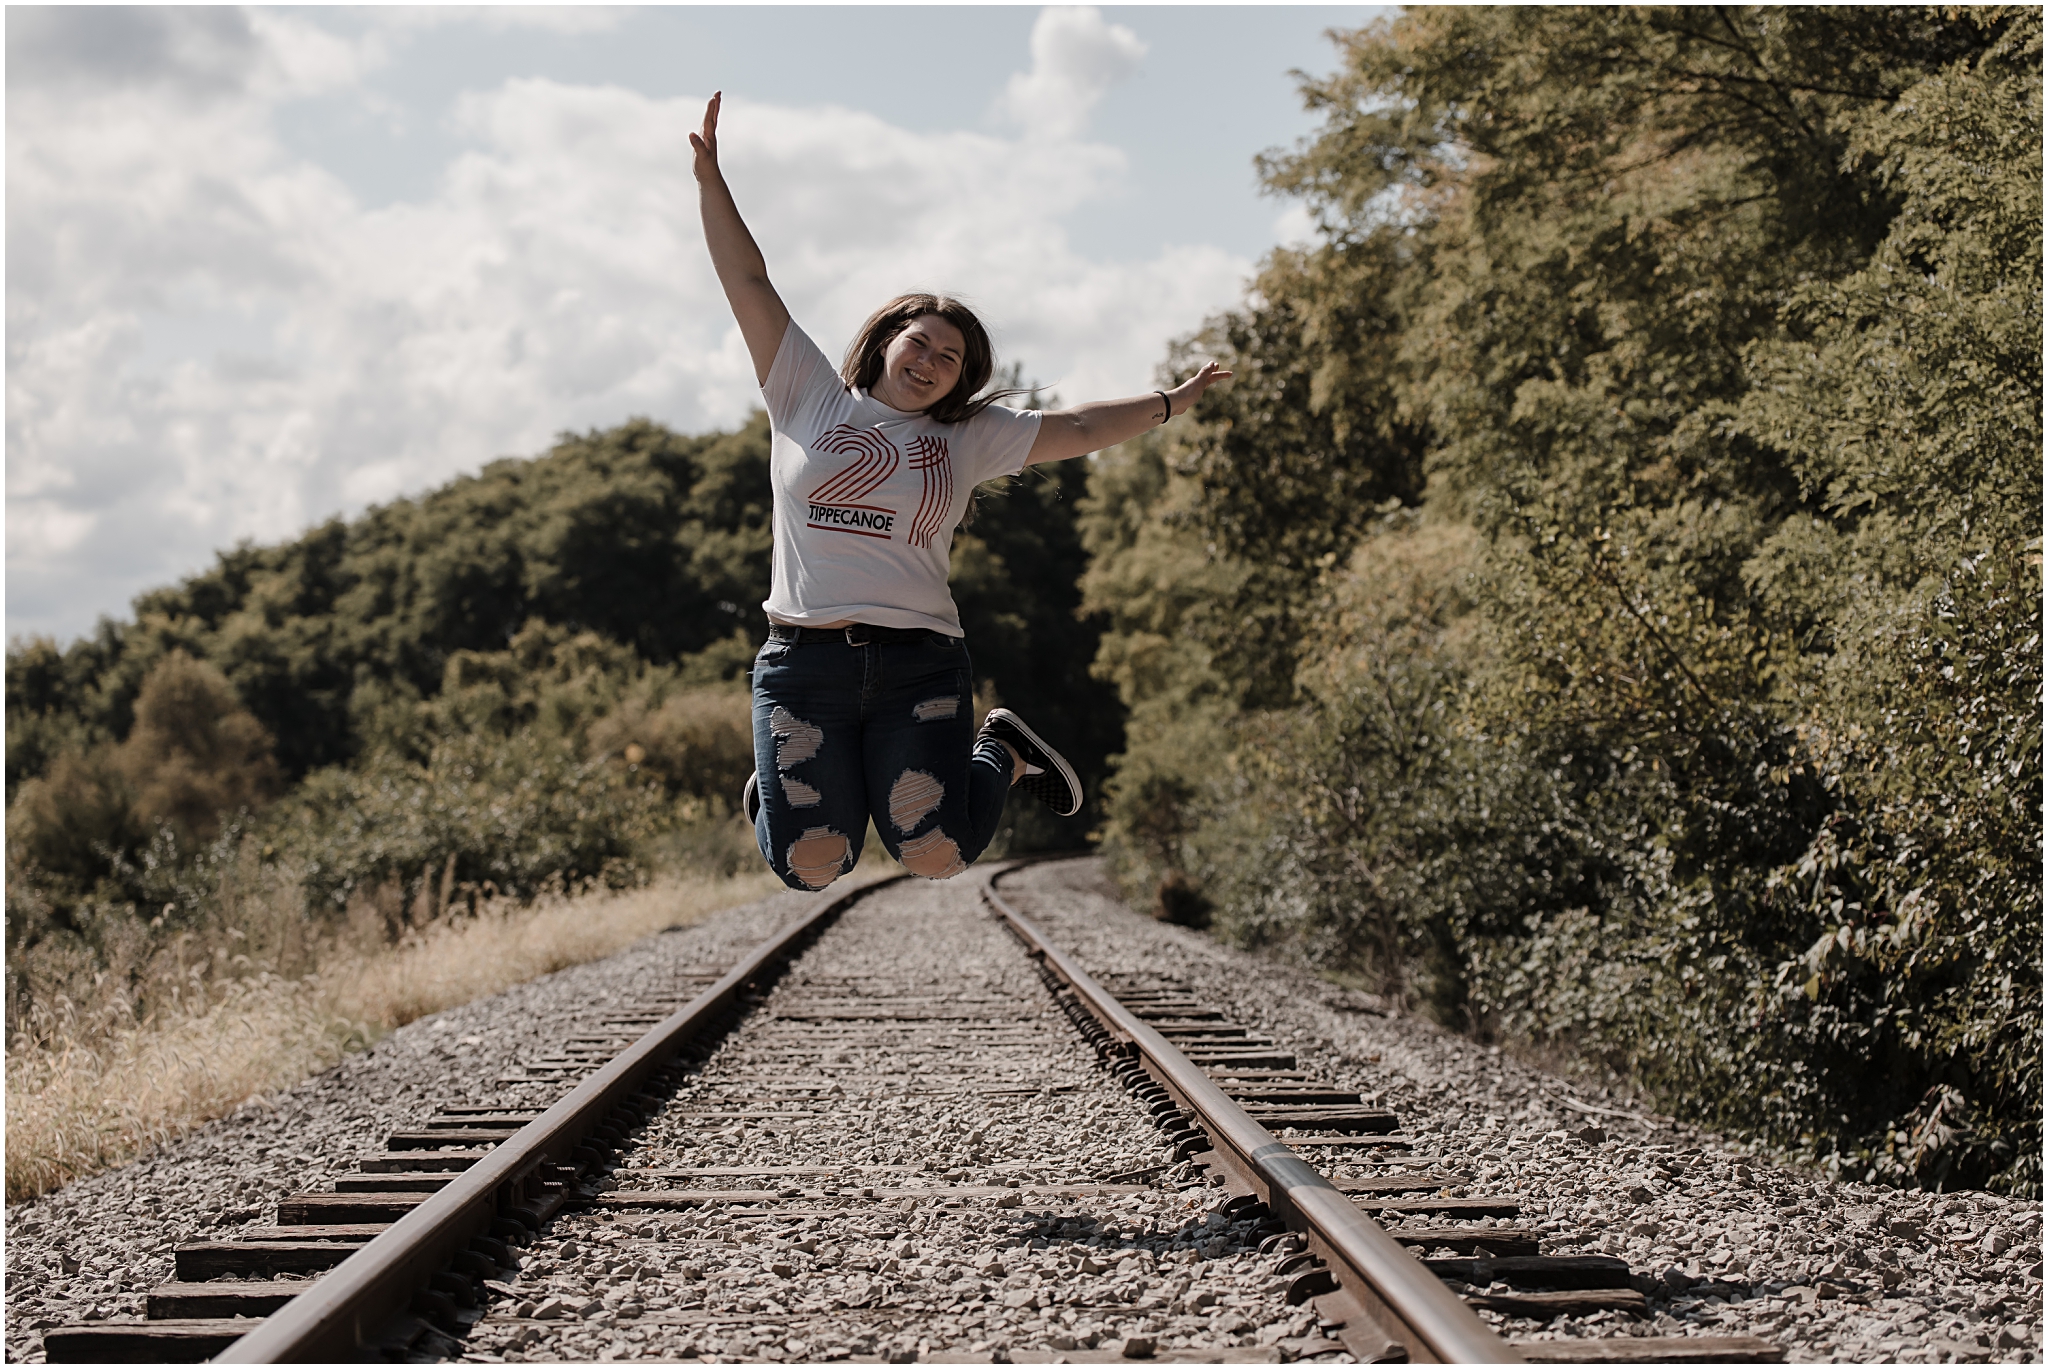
(162, 1029)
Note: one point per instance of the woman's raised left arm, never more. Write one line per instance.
(1088, 428)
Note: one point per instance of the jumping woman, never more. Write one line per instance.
(863, 697)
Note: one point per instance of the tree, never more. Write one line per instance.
(194, 757)
(195, 752)
(1720, 329)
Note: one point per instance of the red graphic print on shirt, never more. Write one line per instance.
(928, 455)
(835, 505)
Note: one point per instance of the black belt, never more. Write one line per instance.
(853, 634)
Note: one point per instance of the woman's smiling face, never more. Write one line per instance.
(921, 364)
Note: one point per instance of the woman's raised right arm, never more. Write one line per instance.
(734, 255)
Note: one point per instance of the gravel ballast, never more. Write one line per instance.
(1828, 1270)
(942, 1220)
(936, 1167)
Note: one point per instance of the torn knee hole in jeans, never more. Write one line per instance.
(818, 856)
(933, 855)
(931, 710)
(913, 797)
(796, 741)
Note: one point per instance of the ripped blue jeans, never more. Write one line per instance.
(842, 733)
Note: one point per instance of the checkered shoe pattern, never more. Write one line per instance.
(1055, 784)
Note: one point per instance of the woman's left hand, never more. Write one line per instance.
(1185, 395)
(1091, 427)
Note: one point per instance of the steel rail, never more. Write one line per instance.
(1421, 1319)
(345, 1309)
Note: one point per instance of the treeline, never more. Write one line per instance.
(534, 675)
(1606, 607)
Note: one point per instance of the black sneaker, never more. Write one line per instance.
(750, 798)
(1047, 776)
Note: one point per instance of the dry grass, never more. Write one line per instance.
(468, 958)
(162, 1032)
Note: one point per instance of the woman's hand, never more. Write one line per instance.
(1091, 427)
(1188, 393)
(705, 143)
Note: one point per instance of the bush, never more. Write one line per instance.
(478, 815)
(696, 742)
(195, 752)
(194, 757)
(69, 824)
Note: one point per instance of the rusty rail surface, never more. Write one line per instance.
(344, 1311)
(1377, 1280)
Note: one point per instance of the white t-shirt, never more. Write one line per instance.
(867, 497)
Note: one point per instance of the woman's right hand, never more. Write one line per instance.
(705, 143)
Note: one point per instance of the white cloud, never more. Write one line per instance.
(1076, 56)
(211, 339)
(1295, 226)
(305, 59)
(569, 19)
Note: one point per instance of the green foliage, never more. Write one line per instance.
(1309, 423)
(450, 683)
(194, 755)
(1160, 598)
(194, 752)
(513, 813)
(1907, 401)
(695, 742)
(1713, 752)
(66, 824)
(648, 539)
(561, 757)
(1015, 575)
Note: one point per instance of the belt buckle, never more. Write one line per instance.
(851, 629)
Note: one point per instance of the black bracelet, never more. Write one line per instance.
(1167, 402)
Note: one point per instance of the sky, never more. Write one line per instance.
(268, 266)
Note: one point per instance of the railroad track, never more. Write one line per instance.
(886, 1133)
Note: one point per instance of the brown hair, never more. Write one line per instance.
(863, 364)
